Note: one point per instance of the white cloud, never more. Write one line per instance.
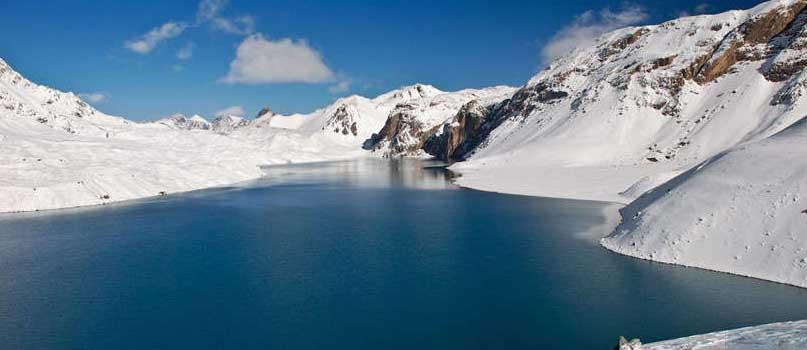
(259, 60)
(209, 9)
(208, 13)
(587, 27)
(93, 97)
(186, 52)
(237, 111)
(340, 87)
(242, 25)
(147, 42)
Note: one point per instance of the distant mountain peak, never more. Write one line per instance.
(265, 111)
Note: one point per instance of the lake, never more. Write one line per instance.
(351, 255)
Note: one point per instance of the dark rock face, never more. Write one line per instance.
(402, 134)
(742, 44)
(265, 111)
(342, 122)
(787, 52)
(474, 122)
(460, 136)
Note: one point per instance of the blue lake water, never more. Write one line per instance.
(352, 255)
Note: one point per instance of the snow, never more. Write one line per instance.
(742, 212)
(608, 140)
(57, 151)
(774, 336)
(713, 174)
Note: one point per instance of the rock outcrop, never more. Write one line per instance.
(410, 124)
(403, 133)
(474, 121)
(228, 123)
(183, 122)
(343, 121)
(751, 41)
(265, 112)
(457, 137)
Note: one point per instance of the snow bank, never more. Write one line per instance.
(774, 336)
(743, 212)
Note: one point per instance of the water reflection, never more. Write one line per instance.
(367, 173)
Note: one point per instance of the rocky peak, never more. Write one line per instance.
(462, 134)
(227, 123)
(265, 111)
(181, 121)
(408, 93)
(403, 133)
(343, 121)
(412, 122)
(50, 107)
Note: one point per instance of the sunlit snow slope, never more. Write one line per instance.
(743, 211)
(643, 104)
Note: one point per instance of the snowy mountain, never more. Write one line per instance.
(411, 123)
(643, 104)
(182, 122)
(228, 123)
(393, 124)
(55, 109)
(57, 151)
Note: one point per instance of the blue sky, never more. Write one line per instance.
(148, 59)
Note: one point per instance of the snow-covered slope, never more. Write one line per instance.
(609, 121)
(743, 211)
(774, 336)
(54, 109)
(57, 151)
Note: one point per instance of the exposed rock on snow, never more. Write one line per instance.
(624, 344)
(640, 103)
(461, 134)
(180, 121)
(265, 112)
(410, 124)
(227, 123)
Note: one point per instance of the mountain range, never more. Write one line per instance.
(696, 124)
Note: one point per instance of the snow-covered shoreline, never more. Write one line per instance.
(773, 336)
(56, 151)
(697, 126)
